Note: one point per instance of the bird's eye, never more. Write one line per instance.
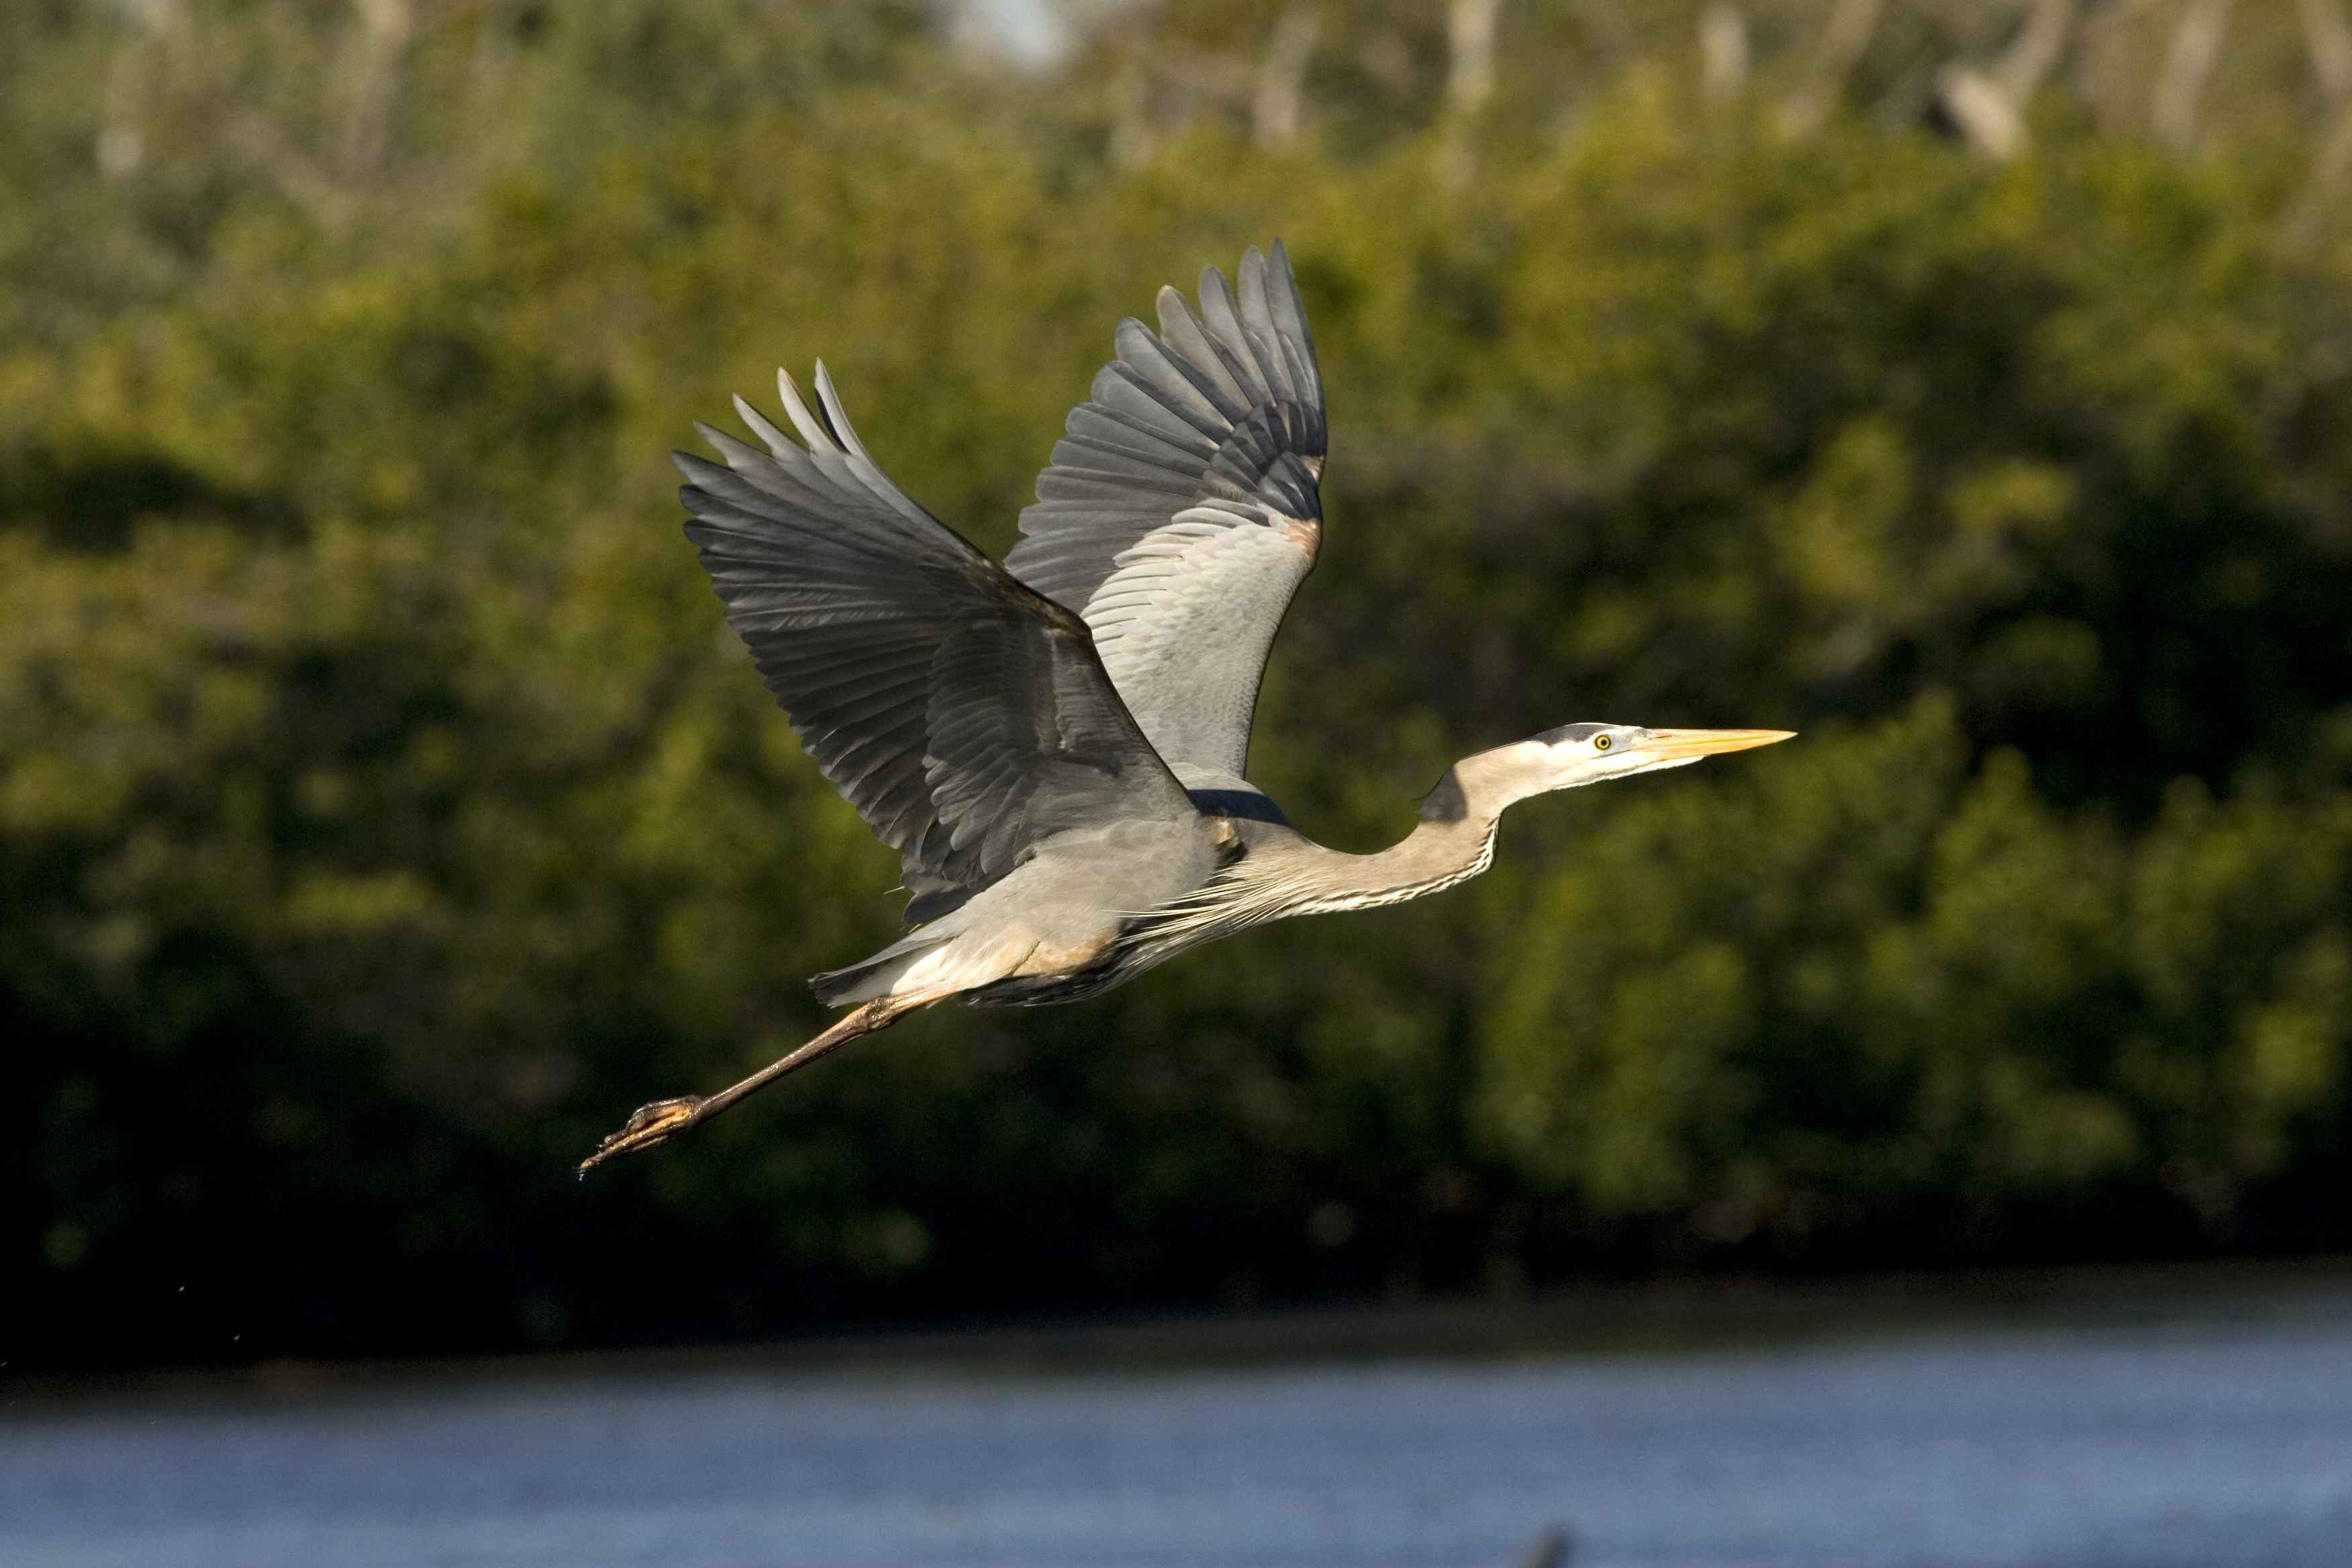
(1600, 743)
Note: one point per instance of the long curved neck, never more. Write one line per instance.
(1452, 842)
(1286, 873)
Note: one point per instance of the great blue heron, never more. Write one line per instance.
(1056, 745)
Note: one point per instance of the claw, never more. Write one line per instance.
(651, 1124)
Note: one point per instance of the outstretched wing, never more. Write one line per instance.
(1181, 510)
(965, 716)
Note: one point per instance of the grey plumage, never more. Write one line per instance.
(966, 718)
(1181, 510)
(1057, 746)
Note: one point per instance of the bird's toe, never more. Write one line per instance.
(650, 1125)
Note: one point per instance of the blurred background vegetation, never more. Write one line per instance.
(386, 810)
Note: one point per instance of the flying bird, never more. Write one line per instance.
(1056, 745)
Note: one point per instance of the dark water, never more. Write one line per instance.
(2219, 1439)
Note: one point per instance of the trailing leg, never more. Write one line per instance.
(664, 1120)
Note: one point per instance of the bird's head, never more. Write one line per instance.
(1577, 754)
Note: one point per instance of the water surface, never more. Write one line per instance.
(2213, 1437)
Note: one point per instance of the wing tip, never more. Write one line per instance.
(796, 409)
(694, 465)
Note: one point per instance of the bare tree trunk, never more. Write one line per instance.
(1851, 23)
(1281, 81)
(1469, 83)
(385, 28)
(1723, 51)
(2329, 39)
(2188, 67)
(121, 144)
(1470, 40)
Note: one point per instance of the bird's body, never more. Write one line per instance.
(1057, 746)
(1098, 906)
(1063, 925)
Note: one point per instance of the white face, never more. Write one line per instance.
(1587, 753)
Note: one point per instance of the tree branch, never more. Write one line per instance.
(1843, 43)
(2036, 49)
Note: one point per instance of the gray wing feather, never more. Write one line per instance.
(966, 717)
(1183, 508)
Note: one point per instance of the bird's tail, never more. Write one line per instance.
(874, 976)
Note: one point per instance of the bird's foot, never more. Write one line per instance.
(651, 1124)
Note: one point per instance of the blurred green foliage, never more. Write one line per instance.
(385, 809)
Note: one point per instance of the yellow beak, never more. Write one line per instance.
(1706, 742)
